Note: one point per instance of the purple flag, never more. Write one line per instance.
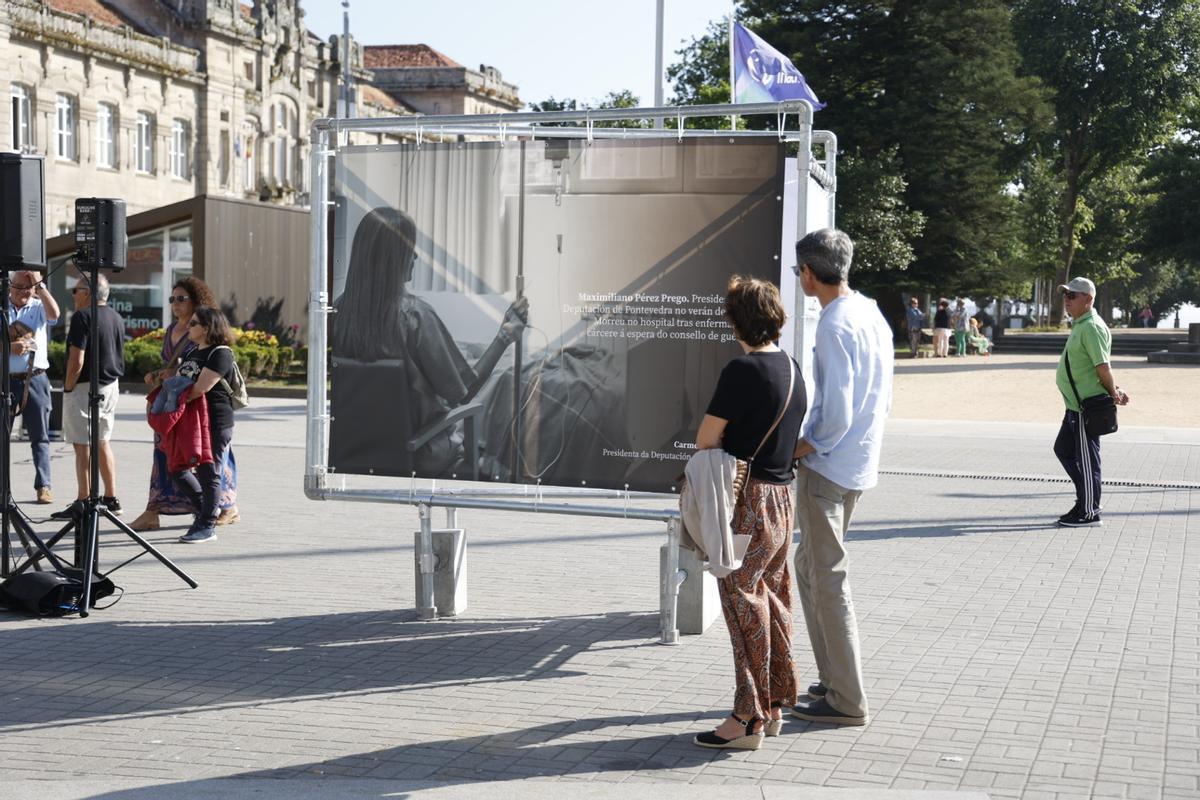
(762, 74)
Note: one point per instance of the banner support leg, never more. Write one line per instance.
(672, 577)
(426, 609)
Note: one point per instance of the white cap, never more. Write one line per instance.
(1081, 285)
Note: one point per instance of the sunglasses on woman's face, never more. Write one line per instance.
(179, 298)
(192, 323)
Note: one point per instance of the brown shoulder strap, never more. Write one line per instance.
(786, 403)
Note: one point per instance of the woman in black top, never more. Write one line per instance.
(210, 362)
(756, 598)
(941, 329)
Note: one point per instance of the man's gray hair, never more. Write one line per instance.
(828, 253)
(102, 287)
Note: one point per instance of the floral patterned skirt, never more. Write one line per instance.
(165, 497)
(756, 599)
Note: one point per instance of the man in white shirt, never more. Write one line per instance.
(838, 455)
(32, 306)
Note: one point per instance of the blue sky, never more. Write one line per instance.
(547, 47)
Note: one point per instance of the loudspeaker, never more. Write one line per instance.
(100, 240)
(22, 196)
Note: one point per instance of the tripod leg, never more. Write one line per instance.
(91, 530)
(35, 548)
(149, 548)
(5, 556)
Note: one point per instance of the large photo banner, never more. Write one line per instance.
(541, 311)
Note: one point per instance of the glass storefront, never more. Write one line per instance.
(156, 260)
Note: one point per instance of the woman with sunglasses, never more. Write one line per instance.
(211, 367)
(165, 498)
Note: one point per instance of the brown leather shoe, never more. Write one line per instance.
(44, 496)
(228, 516)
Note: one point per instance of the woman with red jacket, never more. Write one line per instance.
(211, 365)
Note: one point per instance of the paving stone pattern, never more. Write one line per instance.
(1002, 656)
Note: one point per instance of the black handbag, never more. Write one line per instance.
(51, 594)
(1099, 413)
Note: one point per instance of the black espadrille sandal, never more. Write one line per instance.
(748, 741)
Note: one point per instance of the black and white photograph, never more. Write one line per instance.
(540, 312)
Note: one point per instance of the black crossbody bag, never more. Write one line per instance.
(1099, 413)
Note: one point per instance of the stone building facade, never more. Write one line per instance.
(158, 101)
(433, 83)
(197, 113)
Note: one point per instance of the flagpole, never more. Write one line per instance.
(658, 61)
(732, 69)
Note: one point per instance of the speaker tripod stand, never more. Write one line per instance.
(12, 519)
(85, 521)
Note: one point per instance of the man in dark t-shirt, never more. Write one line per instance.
(109, 367)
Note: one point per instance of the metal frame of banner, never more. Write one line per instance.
(328, 135)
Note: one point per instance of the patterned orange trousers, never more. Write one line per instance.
(757, 601)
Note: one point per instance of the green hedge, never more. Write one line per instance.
(142, 355)
(254, 357)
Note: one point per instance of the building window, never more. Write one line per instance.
(249, 145)
(282, 160)
(22, 129)
(64, 127)
(180, 145)
(144, 152)
(223, 158)
(299, 168)
(106, 135)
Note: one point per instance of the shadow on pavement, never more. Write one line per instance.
(73, 670)
(598, 745)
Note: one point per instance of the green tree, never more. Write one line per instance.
(934, 82)
(1173, 176)
(701, 76)
(553, 104)
(1108, 249)
(961, 115)
(877, 218)
(1168, 274)
(1119, 71)
(1039, 194)
(620, 99)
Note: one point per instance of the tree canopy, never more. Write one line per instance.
(1119, 73)
(989, 144)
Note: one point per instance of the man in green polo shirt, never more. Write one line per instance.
(1087, 352)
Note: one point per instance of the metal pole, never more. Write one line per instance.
(732, 71)
(345, 110)
(540, 118)
(671, 579)
(658, 60)
(426, 609)
(317, 437)
(515, 461)
(803, 177)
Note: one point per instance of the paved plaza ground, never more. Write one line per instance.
(1004, 657)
